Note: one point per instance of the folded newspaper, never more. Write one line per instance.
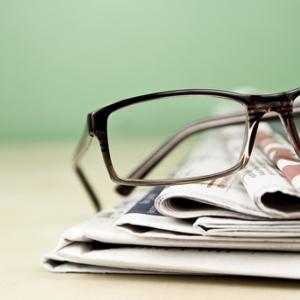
(246, 224)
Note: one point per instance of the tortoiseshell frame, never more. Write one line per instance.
(259, 107)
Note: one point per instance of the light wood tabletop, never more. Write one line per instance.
(41, 198)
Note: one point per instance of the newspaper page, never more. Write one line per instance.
(280, 152)
(260, 190)
(266, 185)
(143, 217)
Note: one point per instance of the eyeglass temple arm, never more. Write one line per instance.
(143, 169)
(80, 151)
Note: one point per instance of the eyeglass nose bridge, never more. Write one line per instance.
(281, 104)
(265, 106)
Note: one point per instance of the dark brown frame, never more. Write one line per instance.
(259, 107)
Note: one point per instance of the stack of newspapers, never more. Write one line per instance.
(246, 224)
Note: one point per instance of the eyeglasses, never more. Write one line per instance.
(181, 115)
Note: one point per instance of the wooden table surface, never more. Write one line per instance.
(41, 198)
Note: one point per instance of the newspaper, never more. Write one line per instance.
(98, 246)
(244, 224)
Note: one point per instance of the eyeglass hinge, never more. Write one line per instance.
(90, 124)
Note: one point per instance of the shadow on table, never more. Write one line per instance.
(217, 280)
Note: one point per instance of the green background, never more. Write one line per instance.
(61, 59)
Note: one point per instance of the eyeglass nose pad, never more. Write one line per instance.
(252, 136)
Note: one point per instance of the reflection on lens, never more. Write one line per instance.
(137, 131)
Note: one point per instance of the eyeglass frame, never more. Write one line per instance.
(260, 107)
